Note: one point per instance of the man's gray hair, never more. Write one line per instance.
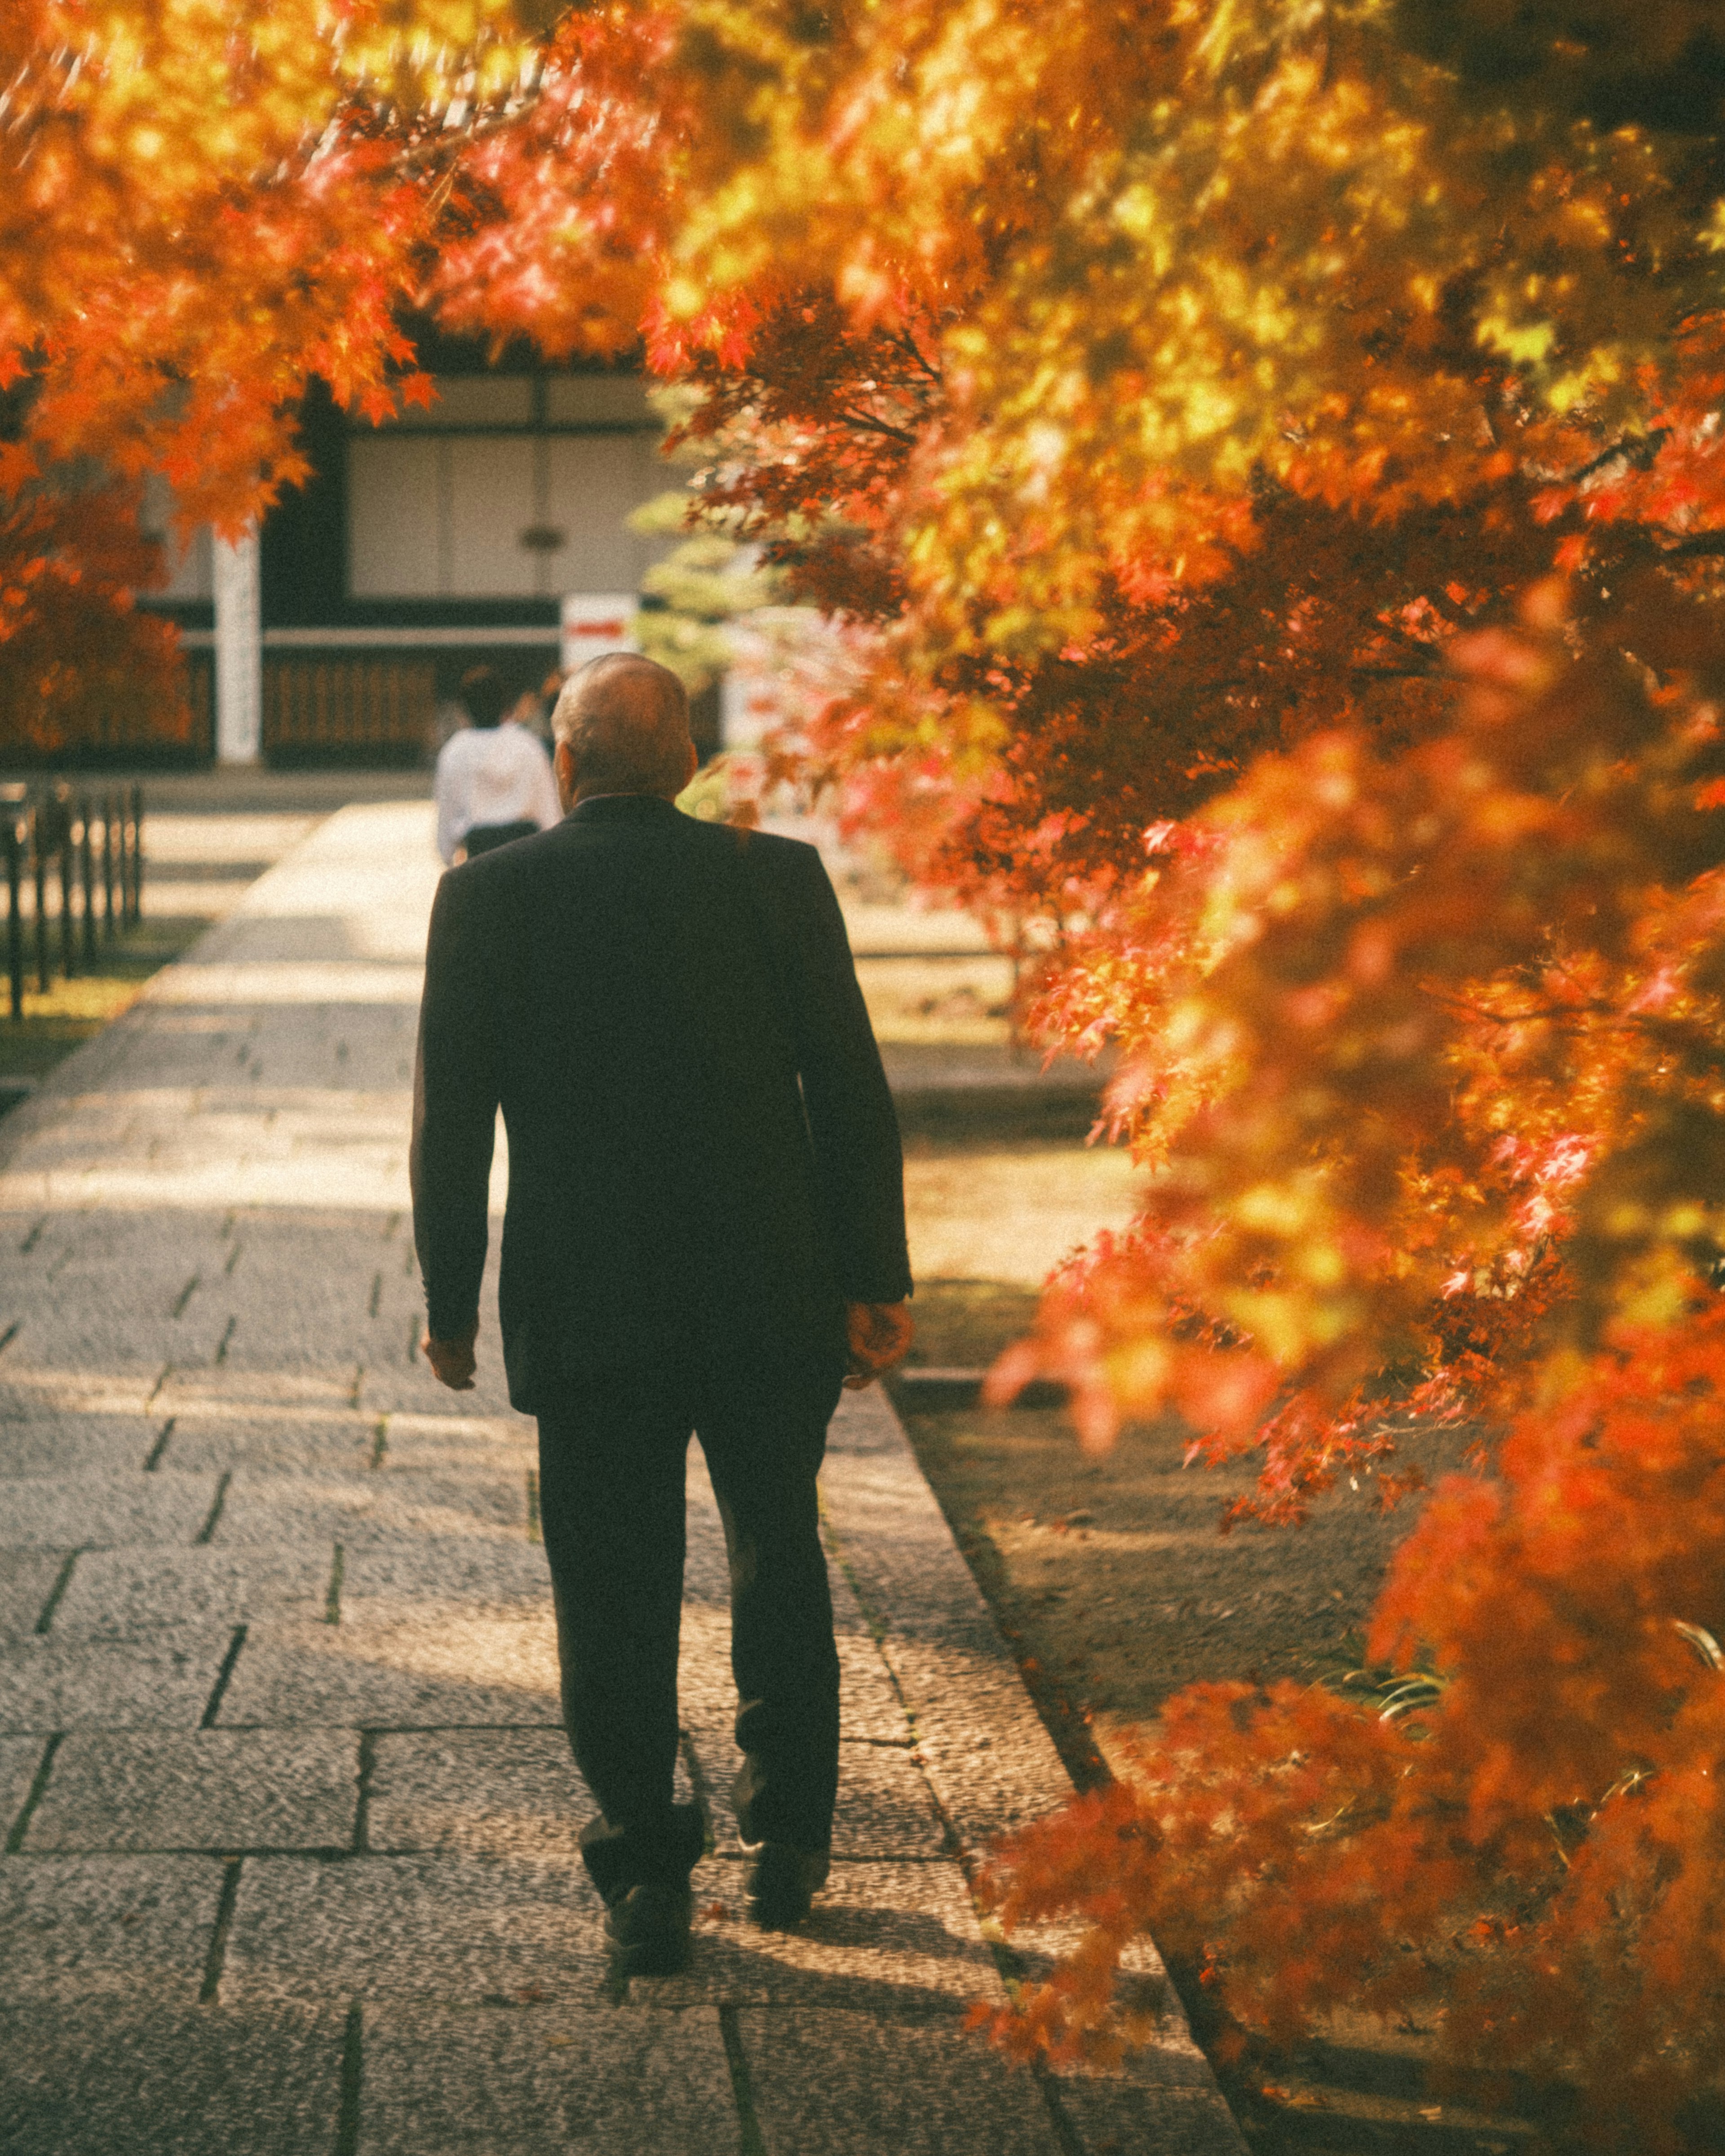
(626, 721)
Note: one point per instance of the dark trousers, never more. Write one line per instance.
(611, 1494)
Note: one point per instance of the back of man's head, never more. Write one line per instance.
(484, 695)
(625, 721)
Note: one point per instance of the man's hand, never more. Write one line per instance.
(880, 1336)
(452, 1361)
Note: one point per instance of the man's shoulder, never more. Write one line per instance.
(778, 862)
(503, 870)
(770, 854)
(787, 878)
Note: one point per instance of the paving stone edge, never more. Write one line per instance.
(990, 1760)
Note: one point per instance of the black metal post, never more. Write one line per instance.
(137, 855)
(86, 876)
(38, 863)
(127, 839)
(107, 868)
(122, 872)
(14, 918)
(62, 834)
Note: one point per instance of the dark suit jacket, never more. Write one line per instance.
(704, 1158)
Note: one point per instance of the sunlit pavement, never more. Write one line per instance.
(291, 1826)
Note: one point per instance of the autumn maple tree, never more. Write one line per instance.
(77, 655)
(203, 204)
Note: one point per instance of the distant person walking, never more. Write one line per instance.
(705, 1233)
(494, 780)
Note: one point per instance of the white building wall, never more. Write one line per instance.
(437, 511)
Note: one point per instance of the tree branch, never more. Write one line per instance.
(1637, 449)
(869, 424)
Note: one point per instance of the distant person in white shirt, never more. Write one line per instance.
(532, 709)
(494, 781)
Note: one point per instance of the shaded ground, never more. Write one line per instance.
(1111, 1571)
(200, 859)
(1000, 1212)
(1114, 1588)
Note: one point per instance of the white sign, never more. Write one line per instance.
(596, 624)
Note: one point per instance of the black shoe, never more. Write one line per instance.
(782, 1883)
(648, 1928)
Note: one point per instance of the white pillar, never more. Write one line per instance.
(239, 651)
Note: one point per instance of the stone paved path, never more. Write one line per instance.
(288, 1857)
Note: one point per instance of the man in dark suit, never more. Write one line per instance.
(705, 1232)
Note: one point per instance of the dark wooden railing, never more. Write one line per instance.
(85, 851)
(321, 706)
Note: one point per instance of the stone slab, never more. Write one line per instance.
(80, 1927)
(127, 1594)
(897, 1546)
(458, 1672)
(100, 2079)
(162, 1682)
(77, 1444)
(850, 1620)
(298, 1441)
(992, 1764)
(444, 1576)
(617, 2081)
(262, 1344)
(88, 1326)
(137, 1280)
(863, 1423)
(899, 1941)
(120, 1250)
(706, 1691)
(431, 1443)
(19, 1758)
(28, 1395)
(707, 1569)
(1116, 2112)
(501, 1793)
(885, 1810)
(449, 1927)
(304, 1298)
(242, 1395)
(210, 1789)
(43, 1511)
(27, 1578)
(365, 1506)
(869, 1706)
(827, 2083)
